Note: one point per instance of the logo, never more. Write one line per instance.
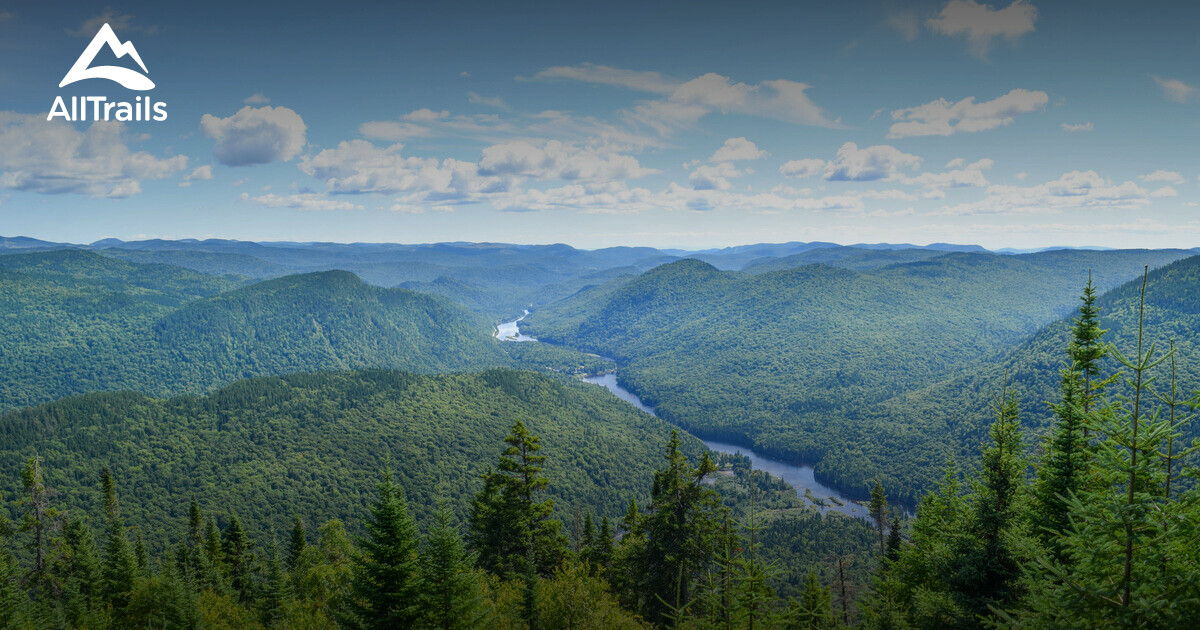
(126, 77)
(143, 108)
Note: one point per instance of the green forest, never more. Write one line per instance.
(798, 362)
(231, 435)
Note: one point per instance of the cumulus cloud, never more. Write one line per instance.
(687, 101)
(559, 160)
(981, 24)
(943, 118)
(1165, 191)
(54, 157)
(201, 173)
(714, 176)
(1171, 177)
(358, 166)
(736, 149)
(1087, 126)
(803, 168)
(853, 164)
(958, 175)
(256, 99)
(1074, 190)
(301, 201)
(1175, 89)
(120, 23)
(255, 135)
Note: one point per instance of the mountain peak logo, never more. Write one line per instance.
(130, 79)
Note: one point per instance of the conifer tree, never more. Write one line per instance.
(275, 587)
(40, 520)
(386, 581)
(682, 533)
(987, 570)
(895, 536)
(79, 572)
(813, 610)
(450, 588)
(297, 543)
(120, 561)
(239, 563)
(878, 508)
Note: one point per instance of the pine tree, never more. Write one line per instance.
(895, 536)
(120, 561)
(450, 588)
(275, 587)
(813, 610)
(386, 581)
(41, 520)
(987, 569)
(239, 563)
(681, 531)
(297, 543)
(79, 572)
(878, 508)
(1064, 464)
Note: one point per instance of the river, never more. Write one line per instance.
(815, 494)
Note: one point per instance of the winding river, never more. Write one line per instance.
(815, 494)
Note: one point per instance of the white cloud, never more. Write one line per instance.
(980, 23)
(713, 176)
(942, 118)
(607, 75)
(53, 157)
(1175, 89)
(1165, 191)
(1171, 177)
(1074, 190)
(803, 168)
(256, 99)
(201, 173)
(853, 164)
(959, 175)
(358, 166)
(490, 101)
(255, 135)
(121, 24)
(301, 201)
(559, 160)
(1087, 126)
(737, 149)
(687, 101)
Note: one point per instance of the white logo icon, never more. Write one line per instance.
(131, 79)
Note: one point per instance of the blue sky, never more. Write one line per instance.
(1010, 124)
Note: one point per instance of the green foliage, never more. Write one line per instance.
(387, 576)
(817, 363)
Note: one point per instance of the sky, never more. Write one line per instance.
(672, 124)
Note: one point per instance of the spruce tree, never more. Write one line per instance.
(813, 610)
(386, 583)
(40, 520)
(79, 572)
(297, 543)
(987, 569)
(682, 532)
(878, 508)
(239, 563)
(450, 589)
(120, 561)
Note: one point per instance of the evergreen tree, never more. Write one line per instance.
(239, 563)
(681, 534)
(79, 572)
(987, 570)
(40, 520)
(297, 543)
(813, 610)
(1063, 468)
(878, 508)
(275, 587)
(895, 536)
(386, 581)
(120, 561)
(450, 588)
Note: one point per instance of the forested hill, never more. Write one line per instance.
(267, 449)
(77, 322)
(958, 408)
(787, 360)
